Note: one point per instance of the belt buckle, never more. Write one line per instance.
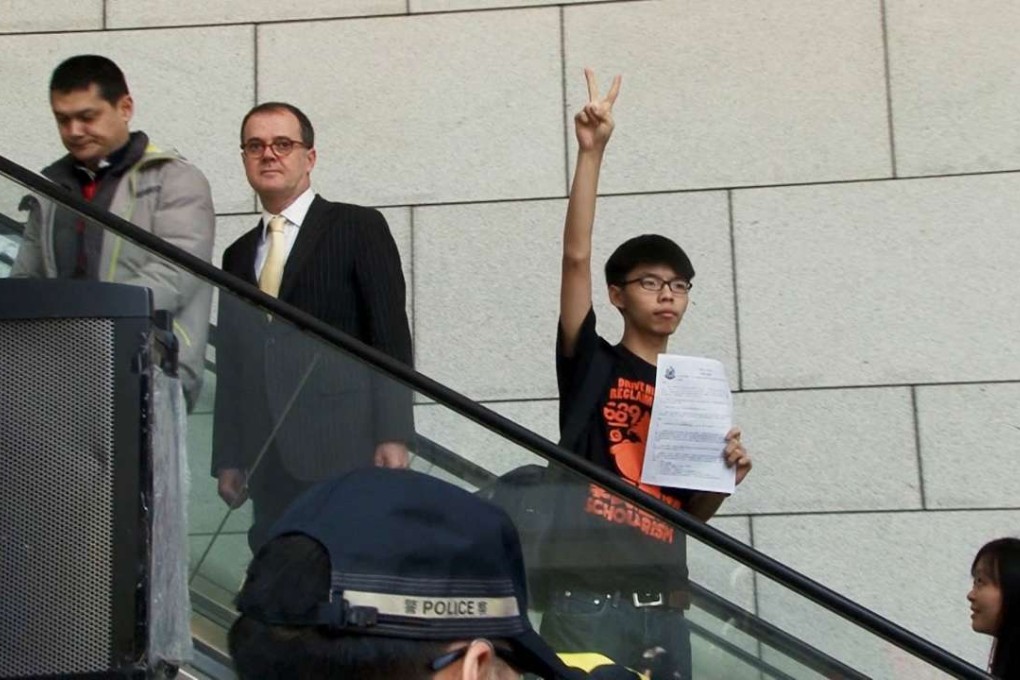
(654, 601)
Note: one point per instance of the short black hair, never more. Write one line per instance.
(291, 575)
(82, 71)
(647, 249)
(307, 131)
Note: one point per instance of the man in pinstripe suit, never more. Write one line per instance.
(290, 411)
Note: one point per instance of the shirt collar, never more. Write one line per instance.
(295, 212)
(114, 159)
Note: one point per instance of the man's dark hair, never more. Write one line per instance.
(291, 575)
(307, 131)
(84, 70)
(648, 249)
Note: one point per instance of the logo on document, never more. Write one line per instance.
(670, 373)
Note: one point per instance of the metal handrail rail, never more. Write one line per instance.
(395, 369)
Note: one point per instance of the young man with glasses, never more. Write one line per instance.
(290, 412)
(622, 589)
(385, 574)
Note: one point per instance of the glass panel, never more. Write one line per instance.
(285, 409)
(11, 228)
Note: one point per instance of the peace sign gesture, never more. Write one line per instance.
(594, 123)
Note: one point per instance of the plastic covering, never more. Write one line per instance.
(169, 602)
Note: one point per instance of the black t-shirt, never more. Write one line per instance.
(627, 547)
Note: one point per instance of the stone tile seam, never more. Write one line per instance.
(407, 13)
(106, 28)
(915, 417)
(866, 386)
(736, 290)
(255, 95)
(924, 512)
(888, 87)
(564, 112)
(773, 390)
(699, 190)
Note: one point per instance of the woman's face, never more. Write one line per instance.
(985, 599)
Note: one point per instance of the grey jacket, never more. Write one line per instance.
(167, 196)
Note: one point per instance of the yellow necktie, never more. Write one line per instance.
(272, 269)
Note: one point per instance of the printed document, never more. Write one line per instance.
(691, 414)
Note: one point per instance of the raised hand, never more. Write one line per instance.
(594, 123)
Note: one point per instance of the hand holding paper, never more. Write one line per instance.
(736, 455)
(691, 440)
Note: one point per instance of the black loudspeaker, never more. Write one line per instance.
(75, 478)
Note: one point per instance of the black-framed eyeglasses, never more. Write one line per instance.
(281, 146)
(654, 284)
(451, 658)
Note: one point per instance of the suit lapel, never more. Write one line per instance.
(312, 229)
(247, 250)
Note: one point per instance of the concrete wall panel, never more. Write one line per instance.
(955, 85)
(828, 450)
(878, 283)
(728, 94)
(21, 16)
(432, 108)
(970, 436)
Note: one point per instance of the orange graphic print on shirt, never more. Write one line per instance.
(628, 415)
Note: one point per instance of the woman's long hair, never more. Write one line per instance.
(1003, 559)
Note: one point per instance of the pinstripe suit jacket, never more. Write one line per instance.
(329, 412)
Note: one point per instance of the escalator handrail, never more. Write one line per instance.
(773, 569)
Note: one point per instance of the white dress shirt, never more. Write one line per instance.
(294, 214)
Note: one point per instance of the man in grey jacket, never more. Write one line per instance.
(123, 172)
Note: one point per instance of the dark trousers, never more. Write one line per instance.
(614, 625)
(273, 489)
